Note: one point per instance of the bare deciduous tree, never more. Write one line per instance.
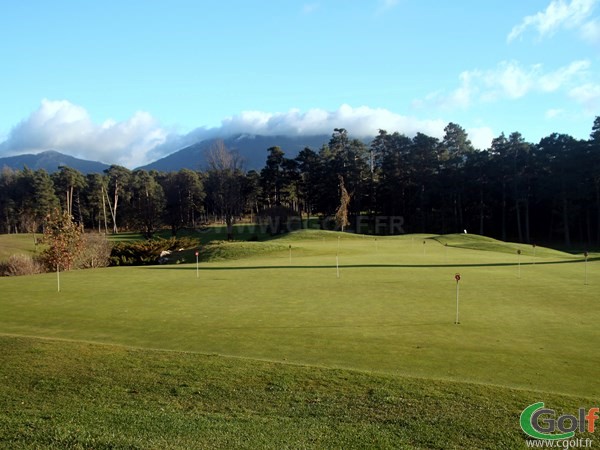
(225, 184)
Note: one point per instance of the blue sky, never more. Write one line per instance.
(129, 81)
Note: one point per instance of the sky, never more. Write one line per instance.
(130, 81)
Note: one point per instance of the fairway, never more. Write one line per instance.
(11, 244)
(391, 311)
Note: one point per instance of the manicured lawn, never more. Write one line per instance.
(259, 350)
(391, 311)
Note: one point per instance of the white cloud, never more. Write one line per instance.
(507, 80)
(553, 113)
(361, 121)
(553, 81)
(481, 137)
(558, 14)
(386, 5)
(588, 95)
(590, 31)
(63, 126)
(510, 80)
(309, 8)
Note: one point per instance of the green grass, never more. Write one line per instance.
(475, 242)
(11, 244)
(78, 395)
(388, 319)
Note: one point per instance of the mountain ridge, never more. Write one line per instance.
(251, 148)
(50, 161)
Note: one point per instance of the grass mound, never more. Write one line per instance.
(79, 395)
(477, 242)
(12, 244)
(224, 250)
(311, 234)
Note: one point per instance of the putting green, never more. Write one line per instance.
(391, 310)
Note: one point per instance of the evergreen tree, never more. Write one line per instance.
(147, 201)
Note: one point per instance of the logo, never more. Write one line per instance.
(542, 423)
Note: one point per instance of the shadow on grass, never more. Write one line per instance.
(191, 266)
(339, 325)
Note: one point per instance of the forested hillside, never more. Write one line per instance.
(514, 190)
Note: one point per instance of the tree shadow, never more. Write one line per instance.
(367, 266)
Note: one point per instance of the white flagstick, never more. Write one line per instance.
(534, 254)
(337, 259)
(586, 257)
(290, 253)
(519, 262)
(457, 278)
(197, 268)
(58, 277)
(424, 247)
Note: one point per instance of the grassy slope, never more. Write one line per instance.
(77, 395)
(475, 242)
(11, 244)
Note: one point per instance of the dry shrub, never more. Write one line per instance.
(17, 265)
(95, 252)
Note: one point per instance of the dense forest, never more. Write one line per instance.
(514, 190)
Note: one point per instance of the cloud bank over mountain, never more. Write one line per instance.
(63, 126)
(66, 127)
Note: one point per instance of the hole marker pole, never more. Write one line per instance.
(585, 269)
(290, 253)
(519, 262)
(58, 277)
(457, 278)
(337, 259)
(197, 268)
(534, 254)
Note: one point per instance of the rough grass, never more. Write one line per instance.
(78, 395)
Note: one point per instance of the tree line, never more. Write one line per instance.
(513, 190)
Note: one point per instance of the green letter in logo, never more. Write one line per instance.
(530, 425)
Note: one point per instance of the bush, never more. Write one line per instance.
(20, 265)
(138, 253)
(95, 252)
